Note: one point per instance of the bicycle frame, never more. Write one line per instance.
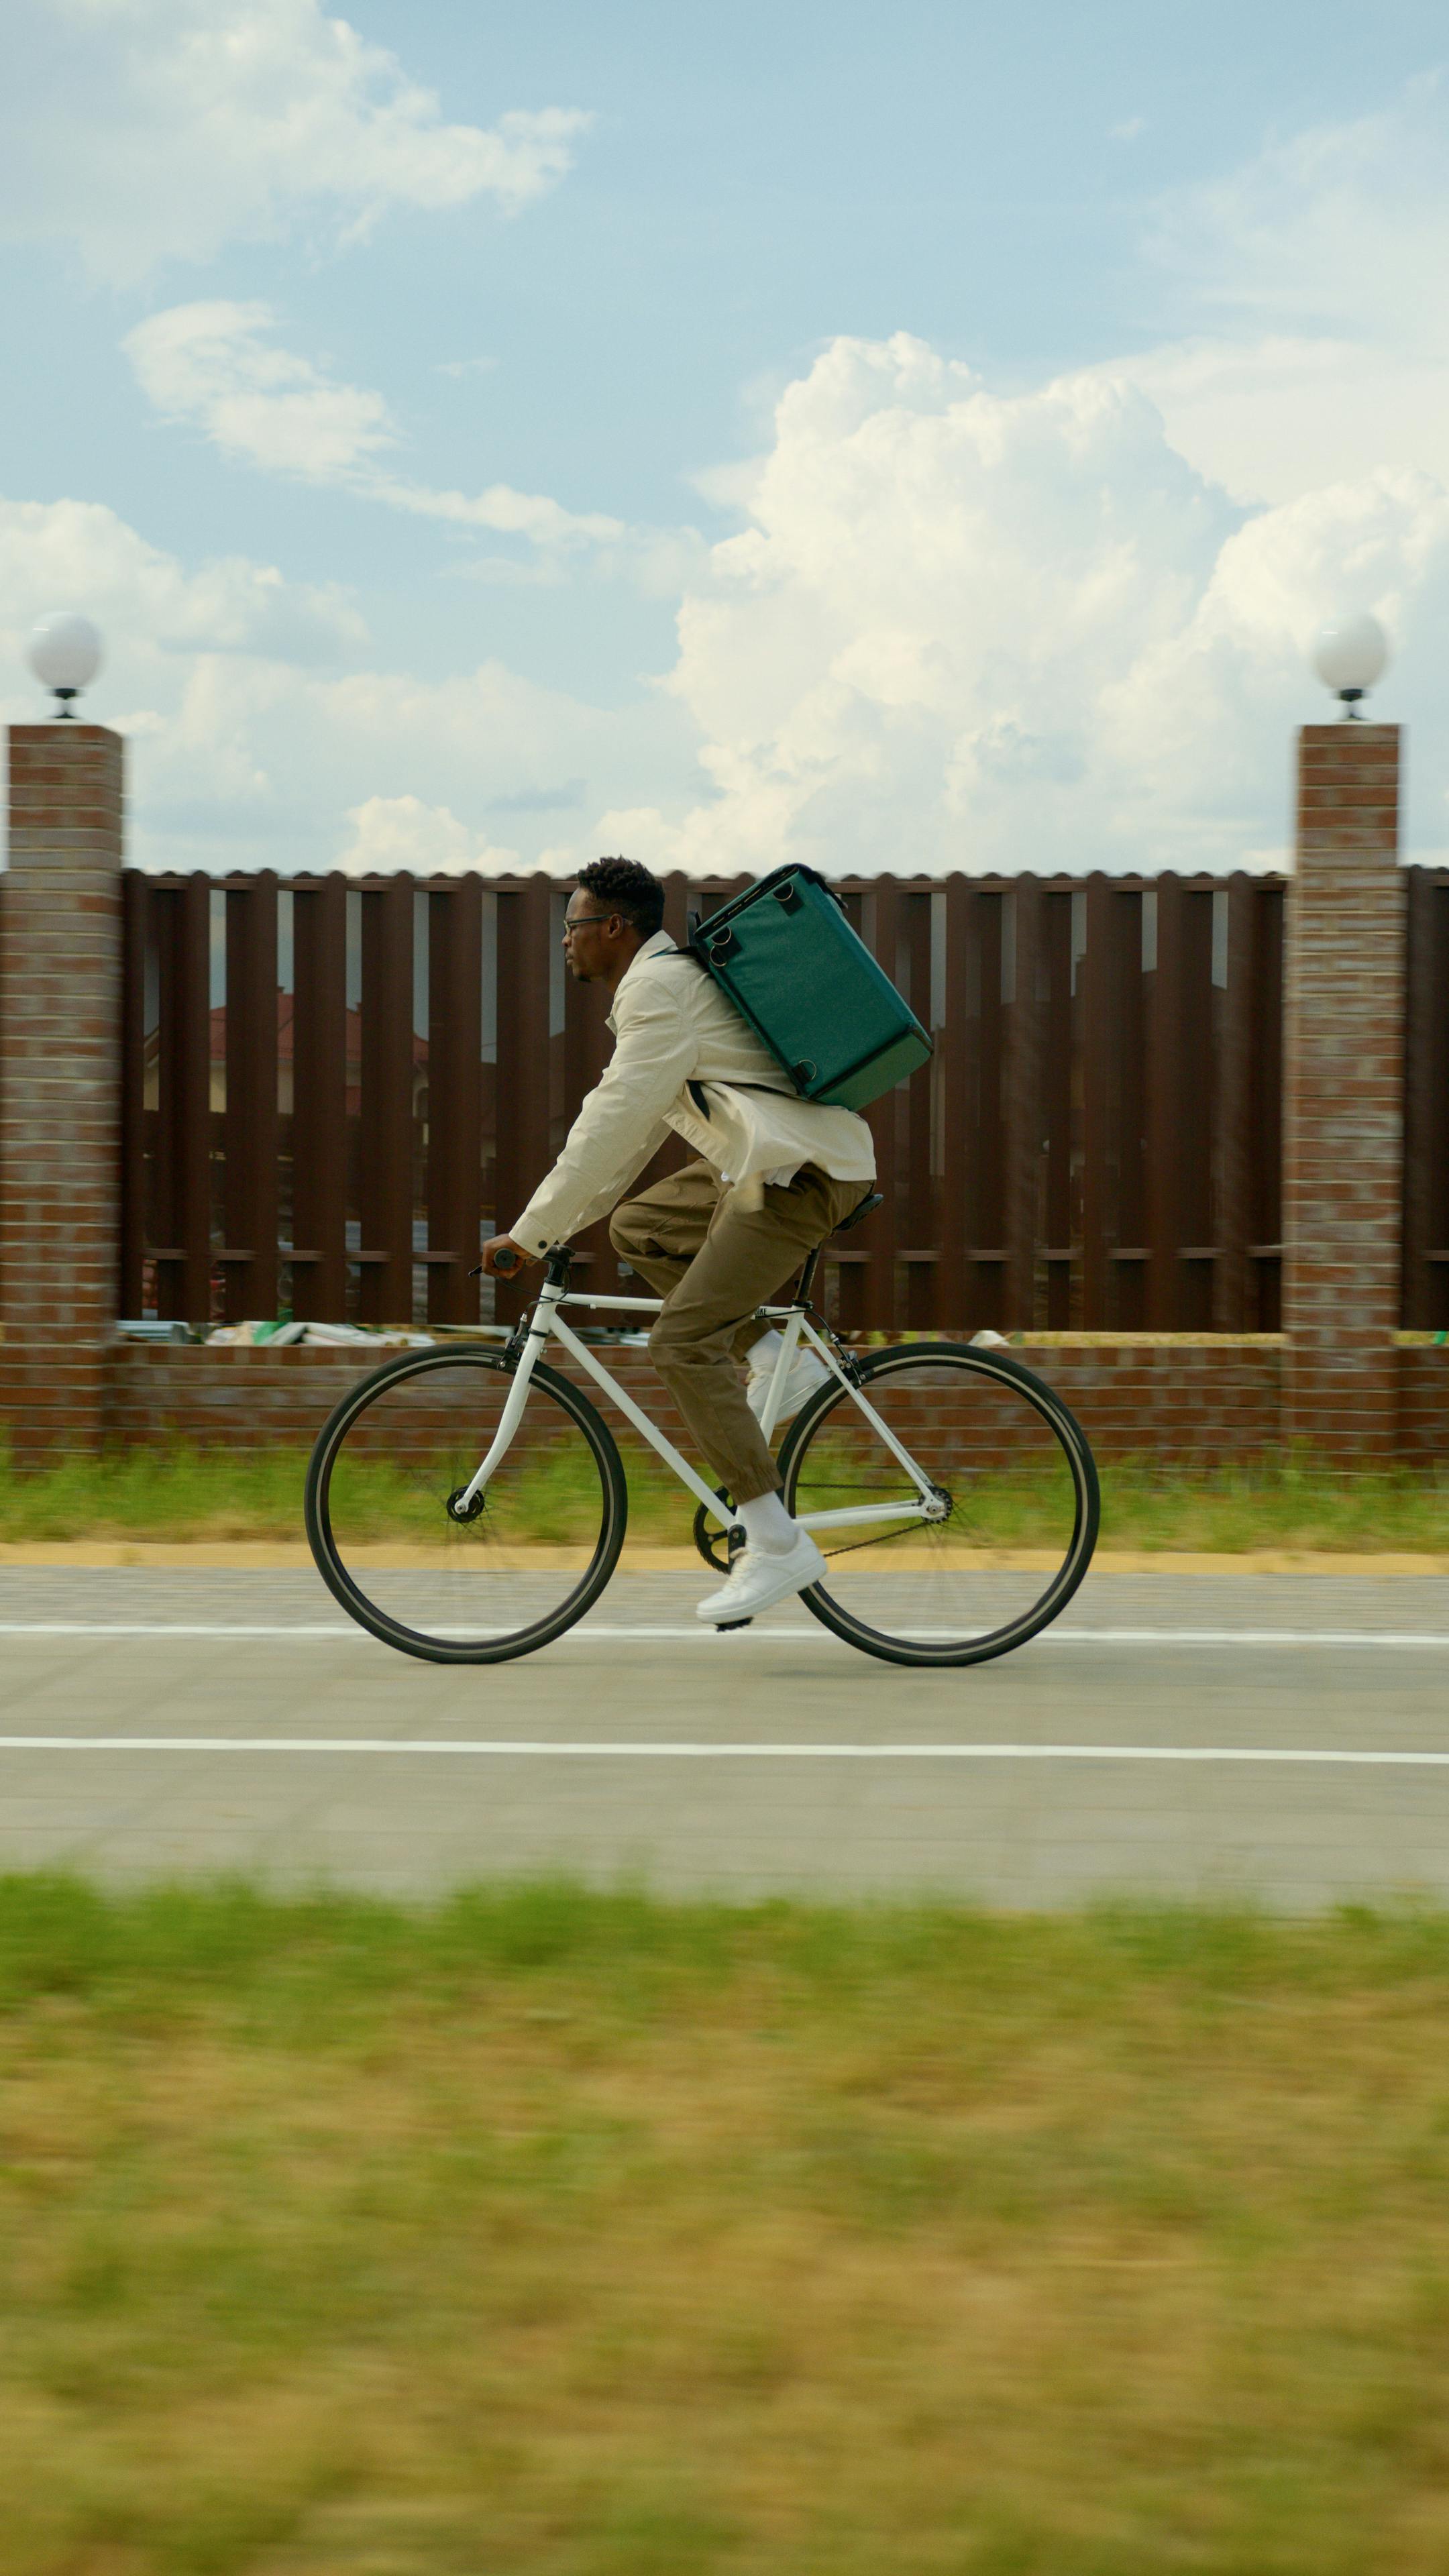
(547, 1324)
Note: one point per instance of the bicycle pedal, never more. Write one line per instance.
(723, 1627)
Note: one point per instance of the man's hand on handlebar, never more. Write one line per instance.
(502, 1256)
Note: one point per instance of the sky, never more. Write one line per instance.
(920, 440)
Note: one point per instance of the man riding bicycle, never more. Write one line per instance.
(774, 1175)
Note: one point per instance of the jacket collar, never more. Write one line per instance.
(655, 947)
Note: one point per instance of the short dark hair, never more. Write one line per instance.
(628, 890)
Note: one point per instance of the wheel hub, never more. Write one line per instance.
(458, 1509)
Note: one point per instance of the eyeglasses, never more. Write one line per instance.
(584, 921)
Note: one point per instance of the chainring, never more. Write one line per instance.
(718, 1547)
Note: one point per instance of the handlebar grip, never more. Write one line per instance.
(503, 1262)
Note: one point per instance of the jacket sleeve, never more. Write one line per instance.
(621, 1122)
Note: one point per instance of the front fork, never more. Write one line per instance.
(466, 1503)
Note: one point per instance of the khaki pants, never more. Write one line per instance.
(713, 1262)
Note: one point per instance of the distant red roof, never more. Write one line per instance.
(286, 1047)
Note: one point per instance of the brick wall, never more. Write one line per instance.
(1343, 1097)
(1201, 1403)
(60, 994)
(1423, 1404)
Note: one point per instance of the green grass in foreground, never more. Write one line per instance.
(182, 1494)
(582, 2235)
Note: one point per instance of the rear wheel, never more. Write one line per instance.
(384, 1491)
(1014, 1487)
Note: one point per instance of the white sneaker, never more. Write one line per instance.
(762, 1575)
(806, 1373)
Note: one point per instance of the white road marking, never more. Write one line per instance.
(587, 1633)
(593, 1749)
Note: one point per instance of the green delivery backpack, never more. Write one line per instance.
(789, 960)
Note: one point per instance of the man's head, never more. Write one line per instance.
(614, 908)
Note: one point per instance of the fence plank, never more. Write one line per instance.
(974, 1145)
(958, 1092)
(524, 978)
(1127, 1266)
(1024, 980)
(1232, 1211)
(183, 1259)
(1197, 1106)
(679, 901)
(1058, 1210)
(1265, 1246)
(319, 1100)
(920, 1212)
(248, 1257)
(455, 1099)
(1165, 979)
(385, 1287)
(1097, 990)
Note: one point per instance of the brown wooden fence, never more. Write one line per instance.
(332, 1084)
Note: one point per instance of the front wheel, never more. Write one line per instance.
(1015, 1500)
(512, 1571)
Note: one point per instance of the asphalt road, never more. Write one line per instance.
(1281, 1736)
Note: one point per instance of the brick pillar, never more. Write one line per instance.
(1343, 1095)
(60, 1027)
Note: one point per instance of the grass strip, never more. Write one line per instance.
(587, 2235)
(182, 1493)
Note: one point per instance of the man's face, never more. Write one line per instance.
(590, 937)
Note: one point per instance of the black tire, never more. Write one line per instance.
(410, 1435)
(979, 1423)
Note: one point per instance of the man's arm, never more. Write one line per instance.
(620, 1124)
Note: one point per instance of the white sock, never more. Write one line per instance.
(764, 1353)
(768, 1525)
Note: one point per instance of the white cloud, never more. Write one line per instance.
(144, 600)
(211, 366)
(980, 632)
(1316, 277)
(1342, 226)
(401, 832)
(1128, 130)
(505, 512)
(264, 733)
(145, 130)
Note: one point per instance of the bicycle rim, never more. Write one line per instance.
(524, 1568)
(1018, 1492)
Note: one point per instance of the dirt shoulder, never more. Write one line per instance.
(210, 1555)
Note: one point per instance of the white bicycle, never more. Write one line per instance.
(468, 1504)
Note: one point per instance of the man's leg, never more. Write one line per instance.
(660, 1232)
(746, 1255)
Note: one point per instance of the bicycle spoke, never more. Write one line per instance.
(518, 1568)
(1016, 1486)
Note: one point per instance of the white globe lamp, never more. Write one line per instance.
(65, 654)
(1349, 655)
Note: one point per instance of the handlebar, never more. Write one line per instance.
(503, 1262)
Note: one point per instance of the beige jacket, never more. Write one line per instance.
(675, 1028)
